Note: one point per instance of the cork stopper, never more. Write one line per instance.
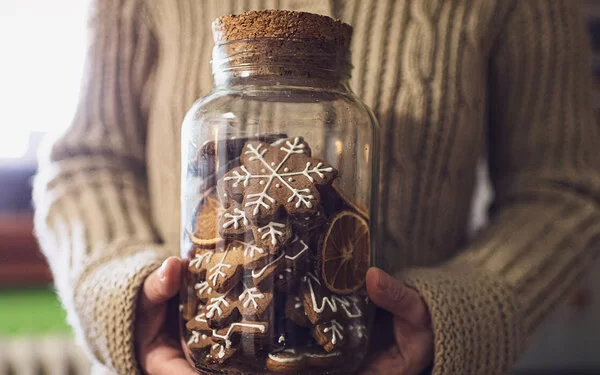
(281, 24)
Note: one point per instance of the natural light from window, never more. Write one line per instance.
(41, 64)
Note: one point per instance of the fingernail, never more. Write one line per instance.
(382, 280)
(161, 271)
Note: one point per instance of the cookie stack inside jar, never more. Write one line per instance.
(278, 262)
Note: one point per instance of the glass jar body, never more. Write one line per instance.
(278, 188)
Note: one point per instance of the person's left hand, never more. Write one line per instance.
(412, 351)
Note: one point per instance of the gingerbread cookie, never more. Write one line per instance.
(271, 177)
(309, 223)
(224, 269)
(222, 309)
(330, 335)
(321, 305)
(292, 257)
(294, 311)
(220, 353)
(253, 303)
(294, 360)
(358, 333)
(273, 235)
(253, 255)
(294, 265)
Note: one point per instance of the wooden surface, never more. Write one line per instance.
(21, 262)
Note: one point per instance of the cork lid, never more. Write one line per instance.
(281, 24)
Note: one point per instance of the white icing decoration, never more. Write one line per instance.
(298, 303)
(271, 230)
(272, 164)
(221, 353)
(277, 185)
(272, 172)
(204, 337)
(216, 272)
(281, 339)
(262, 182)
(201, 258)
(333, 301)
(337, 331)
(236, 217)
(180, 307)
(250, 295)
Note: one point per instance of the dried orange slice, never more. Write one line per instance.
(205, 233)
(345, 253)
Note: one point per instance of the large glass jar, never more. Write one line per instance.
(278, 188)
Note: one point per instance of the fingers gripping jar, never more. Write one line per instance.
(278, 181)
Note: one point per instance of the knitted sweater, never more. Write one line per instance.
(450, 81)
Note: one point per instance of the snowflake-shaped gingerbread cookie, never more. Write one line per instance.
(274, 176)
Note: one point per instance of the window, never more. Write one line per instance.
(43, 50)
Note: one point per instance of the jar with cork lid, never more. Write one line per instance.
(279, 183)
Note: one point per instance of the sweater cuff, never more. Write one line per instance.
(105, 300)
(476, 320)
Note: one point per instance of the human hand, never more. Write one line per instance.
(412, 348)
(156, 329)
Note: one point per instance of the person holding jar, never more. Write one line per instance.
(448, 82)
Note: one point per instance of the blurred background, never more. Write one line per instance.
(41, 65)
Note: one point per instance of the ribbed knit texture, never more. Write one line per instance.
(450, 81)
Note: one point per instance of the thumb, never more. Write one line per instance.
(391, 294)
(162, 284)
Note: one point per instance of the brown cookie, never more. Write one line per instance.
(330, 335)
(291, 257)
(294, 311)
(222, 309)
(321, 305)
(294, 360)
(295, 264)
(273, 235)
(220, 353)
(358, 333)
(253, 303)
(309, 223)
(224, 270)
(275, 176)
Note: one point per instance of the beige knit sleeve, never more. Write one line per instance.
(92, 214)
(545, 221)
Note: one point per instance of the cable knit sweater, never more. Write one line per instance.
(450, 81)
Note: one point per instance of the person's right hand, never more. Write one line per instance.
(156, 333)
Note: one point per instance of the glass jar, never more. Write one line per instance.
(279, 170)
